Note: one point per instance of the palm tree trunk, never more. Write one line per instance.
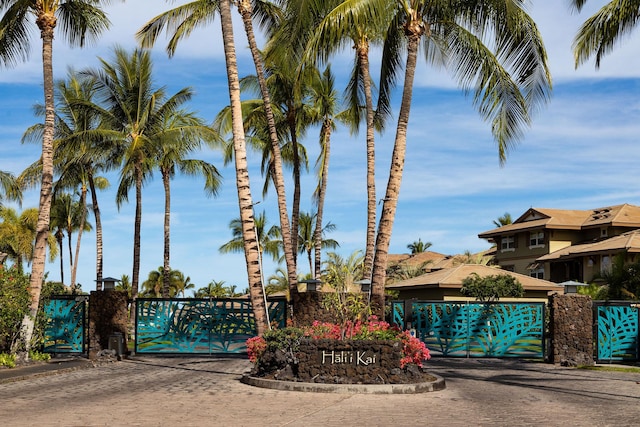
(363, 55)
(245, 201)
(59, 239)
(167, 224)
(324, 174)
(46, 24)
(295, 208)
(96, 214)
(83, 207)
(246, 11)
(135, 277)
(395, 179)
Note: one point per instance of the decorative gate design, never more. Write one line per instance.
(66, 318)
(462, 329)
(203, 326)
(617, 335)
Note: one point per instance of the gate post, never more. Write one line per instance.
(108, 315)
(571, 330)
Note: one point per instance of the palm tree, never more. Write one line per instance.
(418, 246)
(503, 220)
(493, 49)
(153, 286)
(81, 20)
(9, 188)
(601, 32)
(124, 285)
(277, 282)
(135, 111)
(183, 20)
(269, 238)
(307, 239)
(324, 98)
(17, 234)
(340, 273)
(68, 216)
(331, 34)
(182, 134)
(215, 289)
(79, 156)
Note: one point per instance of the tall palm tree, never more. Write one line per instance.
(325, 103)
(81, 20)
(79, 156)
(331, 34)
(182, 134)
(599, 34)
(182, 21)
(135, 111)
(492, 48)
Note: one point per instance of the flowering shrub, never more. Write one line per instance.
(414, 350)
(288, 339)
(256, 347)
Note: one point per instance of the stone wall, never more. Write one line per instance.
(339, 362)
(571, 330)
(108, 315)
(307, 308)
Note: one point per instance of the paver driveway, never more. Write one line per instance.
(160, 391)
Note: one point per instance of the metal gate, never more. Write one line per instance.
(470, 329)
(617, 331)
(65, 317)
(199, 326)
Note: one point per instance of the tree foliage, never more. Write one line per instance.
(14, 305)
(491, 288)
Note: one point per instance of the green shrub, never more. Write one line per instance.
(14, 305)
(39, 357)
(8, 360)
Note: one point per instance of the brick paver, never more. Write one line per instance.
(196, 391)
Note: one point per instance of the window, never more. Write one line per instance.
(605, 264)
(536, 239)
(538, 272)
(508, 243)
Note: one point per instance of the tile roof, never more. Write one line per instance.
(453, 277)
(628, 242)
(620, 215)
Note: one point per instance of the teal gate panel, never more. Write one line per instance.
(617, 335)
(198, 326)
(462, 329)
(65, 318)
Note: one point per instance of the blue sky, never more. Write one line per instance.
(581, 152)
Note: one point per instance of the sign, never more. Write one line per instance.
(357, 358)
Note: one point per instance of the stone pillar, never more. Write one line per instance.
(108, 315)
(571, 330)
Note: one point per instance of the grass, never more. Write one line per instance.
(627, 369)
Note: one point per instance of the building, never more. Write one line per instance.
(445, 284)
(562, 245)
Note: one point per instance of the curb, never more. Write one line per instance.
(42, 370)
(424, 387)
